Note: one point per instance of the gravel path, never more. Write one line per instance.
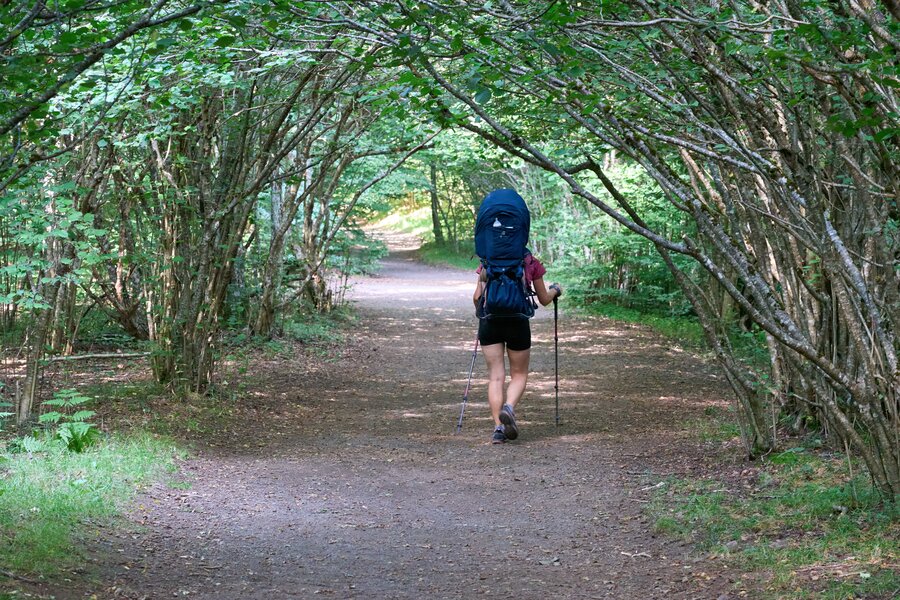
(355, 486)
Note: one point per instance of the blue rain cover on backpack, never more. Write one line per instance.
(501, 237)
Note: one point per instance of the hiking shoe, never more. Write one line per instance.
(508, 418)
(499, 435)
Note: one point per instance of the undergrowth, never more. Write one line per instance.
(716, 426)
(682, 328)
(50, 499)
(317, 328)
(798, 520)
(416, 222)
(309, 328)
(459, 256)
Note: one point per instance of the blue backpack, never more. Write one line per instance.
(501, 236)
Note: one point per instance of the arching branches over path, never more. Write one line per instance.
(212, 146)
(774, 129)
(48, 45)
(771, 129)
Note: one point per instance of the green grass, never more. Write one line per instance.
(417, 222)
(448, 255)
(49, 500)
(135, 395)
(799, 523)
(715, 427)
(683, 328)
(316, 328)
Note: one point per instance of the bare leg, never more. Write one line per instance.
(493, 356)
(518, 375)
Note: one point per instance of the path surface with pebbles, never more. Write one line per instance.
(359, 488)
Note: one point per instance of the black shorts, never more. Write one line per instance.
(514, 332)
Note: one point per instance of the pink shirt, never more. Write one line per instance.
(533, 269)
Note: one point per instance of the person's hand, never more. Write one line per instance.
(555, 286)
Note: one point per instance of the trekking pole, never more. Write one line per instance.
(556, 348)
(469, 383)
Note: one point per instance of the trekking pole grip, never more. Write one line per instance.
(555, 286)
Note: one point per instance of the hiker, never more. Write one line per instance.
(512, 271)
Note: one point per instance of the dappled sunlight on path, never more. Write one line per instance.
(374, 496)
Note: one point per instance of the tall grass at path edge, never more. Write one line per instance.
(52, 502)
(459, 256)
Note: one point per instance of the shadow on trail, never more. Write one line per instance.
(374, 496)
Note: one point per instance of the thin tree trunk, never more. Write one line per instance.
(435, 207)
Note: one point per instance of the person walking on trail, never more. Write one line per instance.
(504, 329)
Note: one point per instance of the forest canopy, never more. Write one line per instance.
(192, 168)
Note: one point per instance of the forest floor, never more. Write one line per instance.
(343, 477)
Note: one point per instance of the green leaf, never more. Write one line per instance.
(50, 417)
(68, 38)
(238, 21)
(225, 41)
(82, 415)
(886, 134)
(32, 445)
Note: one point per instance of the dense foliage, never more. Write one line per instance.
(772, 129)
(189, 163)
(201, 174)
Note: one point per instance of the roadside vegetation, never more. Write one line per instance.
(66, 480)
(188, 183)
(802, 523)
(56, 502)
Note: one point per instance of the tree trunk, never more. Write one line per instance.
(38, 336)
(435, 207)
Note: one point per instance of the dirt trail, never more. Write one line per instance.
(371, 495)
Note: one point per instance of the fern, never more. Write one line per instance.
(72, 429)
(51, 417)
(77, 435)
(82, 415)
(33, 445)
